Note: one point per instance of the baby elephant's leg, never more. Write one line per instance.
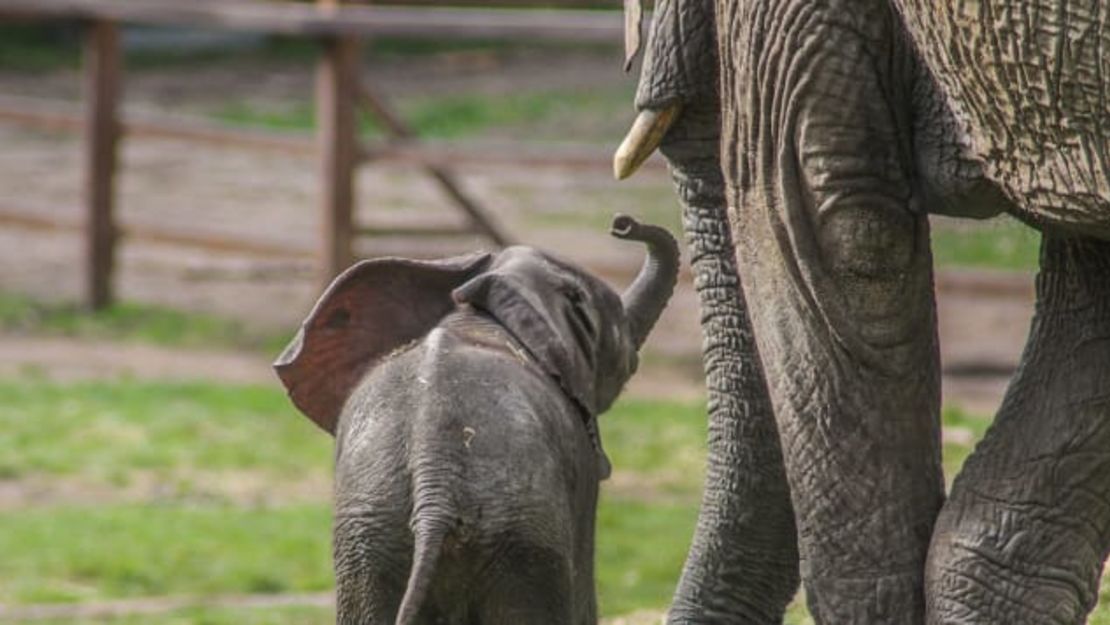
(532, 587)
(370, 574)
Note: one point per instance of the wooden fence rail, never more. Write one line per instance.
(338, 96)
(338, 21)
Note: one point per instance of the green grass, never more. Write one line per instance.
(1001, 243)
(451, 116)
(63, 554)
(640, 550)
(68, 554)
(133, 322)
(178, 545)
(214, 616)
(663, 443)
(116, 432)
(955, 453)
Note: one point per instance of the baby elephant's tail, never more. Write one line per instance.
(428, 538)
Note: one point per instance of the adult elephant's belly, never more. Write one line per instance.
(1032, 79)
(835, 263)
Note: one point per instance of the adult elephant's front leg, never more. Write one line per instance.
(833, 253)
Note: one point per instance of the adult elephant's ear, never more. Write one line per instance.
(372, 309)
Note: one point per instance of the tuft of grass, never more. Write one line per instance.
(663, 443)
(1001, 243)
(132, 322)
(69, 554)
(112, 432)
(974, 426)
(640, 551)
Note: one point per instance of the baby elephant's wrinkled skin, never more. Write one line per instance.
(463, 396)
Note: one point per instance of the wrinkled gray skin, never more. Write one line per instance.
(743, 563)
(833, 141)
(467, 461)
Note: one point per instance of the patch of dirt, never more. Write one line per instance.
(68, 360)
(251, 488)
(651, 488)
(642, 617)
(158, 605)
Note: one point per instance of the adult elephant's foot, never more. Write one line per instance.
(1024, 534)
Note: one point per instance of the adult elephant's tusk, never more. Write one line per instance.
(646, 134)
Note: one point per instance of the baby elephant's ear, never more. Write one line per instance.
(372, 309)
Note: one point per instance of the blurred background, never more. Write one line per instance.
(151, 468)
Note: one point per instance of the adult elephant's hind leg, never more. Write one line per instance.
(1024, 534)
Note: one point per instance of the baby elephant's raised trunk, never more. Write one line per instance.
(648, 294)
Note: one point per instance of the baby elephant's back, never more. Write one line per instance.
(478, 435)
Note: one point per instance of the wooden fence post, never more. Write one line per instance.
(337, 135)
(102, 86)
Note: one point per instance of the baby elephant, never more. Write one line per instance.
(463, 396)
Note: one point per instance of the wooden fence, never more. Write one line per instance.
(338, 29)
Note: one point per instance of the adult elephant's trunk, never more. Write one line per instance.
(743, 561)
(648, 294)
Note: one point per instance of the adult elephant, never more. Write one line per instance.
(833, 141)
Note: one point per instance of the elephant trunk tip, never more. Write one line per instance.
(624, 226)
(646, 297)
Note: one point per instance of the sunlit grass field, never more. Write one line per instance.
(134, 489)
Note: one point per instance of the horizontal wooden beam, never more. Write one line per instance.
(308, 20)
(31, 219)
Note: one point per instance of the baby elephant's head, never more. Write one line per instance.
(575, 327)
(581, 331)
